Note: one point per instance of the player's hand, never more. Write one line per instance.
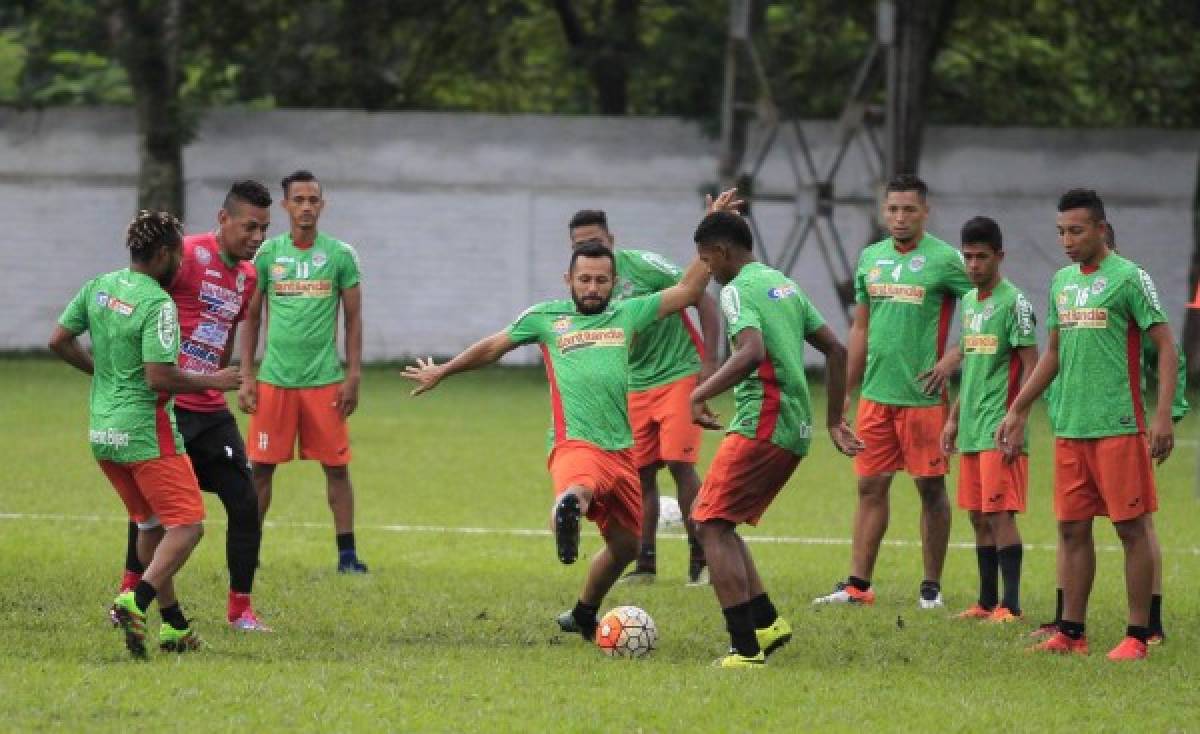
(725, 202)
(704, 417)
(933, 381)
(1162, 438)
(950, 437)
(229, 378)
(1010, 436)
(845, 439)
(425, 373)
(248, 396)
(347, 397)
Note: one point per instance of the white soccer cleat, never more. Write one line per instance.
(844, 593)
(934, 603)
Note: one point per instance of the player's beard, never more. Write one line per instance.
(590, 308)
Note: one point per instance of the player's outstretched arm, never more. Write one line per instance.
(1010, 434)
(1162, 430)
(427, 375)
(165, 377)
(66, 345)
(748, 352)
(686, 292)
(836, 360)
(248, 392)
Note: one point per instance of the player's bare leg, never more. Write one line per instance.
(647, 561)
(687, 486)
(870, 523)
(1139, 568)
(734, 578)
(1079, 567)
(340, 493)
(263, 476)
(935, 537)
(620, 549)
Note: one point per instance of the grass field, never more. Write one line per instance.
(452, 630)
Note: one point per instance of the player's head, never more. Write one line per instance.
(590, 225)
(905, 208)
(155, 242)
(1081, 224)
(982, 250)
(590, 277)
(725, 243)
(244, 218)
(302, 200)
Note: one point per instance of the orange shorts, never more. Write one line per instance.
(986, 483)
(1103, 476)
(900, 437)
(158, 491)
(743, 479)
(662, 424)
(310, 411)
(616, 491)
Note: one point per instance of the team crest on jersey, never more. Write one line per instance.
(114, 304)
(782, 291)
(319, 258)
(278, 271)
(1099, 284)
(625, 288)
(873, 274)
(203, 256)
(561, 325)
(916, 263)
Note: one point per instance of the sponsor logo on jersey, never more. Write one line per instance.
(1083, 318)
(895, 292)
(980, 343)
(203, 256)
(319, 258)
(873, 275)
(114, 304)
(303, 288)
(211, 332)
(197, 351)
(916, 263)
(278, 271)
(782, 291)
(221, 302)
(1149, 289)
(731, 303)
(561, 325)
(195, 365)
(168, 326)
(1025, 317)
(212, 273)
(108, 437)
(614, 337)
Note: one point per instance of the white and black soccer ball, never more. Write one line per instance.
(670, 516)
(627, 632)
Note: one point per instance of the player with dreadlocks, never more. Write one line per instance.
(135, 343)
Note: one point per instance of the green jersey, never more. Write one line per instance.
(302, 287)
(1100, 313)
(910, 296)
(587, 364)
(1179, 408)
(772, 403)
(132, 321)
(994, 325)
(667, 350)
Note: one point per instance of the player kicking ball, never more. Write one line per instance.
(999, 348)
(767, 315)
(585, 343)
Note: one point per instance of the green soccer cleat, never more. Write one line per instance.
(774, 637)
(736, 660)
(173, 640)
(131, 621)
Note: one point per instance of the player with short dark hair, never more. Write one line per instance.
(135, 343)
(1100, 309)
(585, 344)
(905, 287)
(667, 361)
(767, 314)
(302, 392)
(999, 347)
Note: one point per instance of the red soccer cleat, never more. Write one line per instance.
(1062, 645)
(1130, 648)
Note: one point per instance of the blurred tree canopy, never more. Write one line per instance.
(1071, 63)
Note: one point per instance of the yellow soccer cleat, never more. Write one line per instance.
(736, 660)
(774, 637)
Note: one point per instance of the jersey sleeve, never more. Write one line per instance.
(74, 317)
(813, 319)
(349, 273)
(251, 284)
(955, 279)
(160, 333)
(640, 312)
(1144, 306)
(262, 266)
(1022, 326)
(860, 282)
(652, 271)
(738, 315)
(527, 328)
(1052, 307)
(1180, 407)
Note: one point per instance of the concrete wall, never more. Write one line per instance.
(460, 220)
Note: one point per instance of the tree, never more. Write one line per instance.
(920, 32)
(606, 50)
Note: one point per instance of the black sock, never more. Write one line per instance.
(1010, 568)
(1058, 605)
(763, 611)
(647, 558)
(1156, 625)
(143, 594)
(585, 619)
(695, 550)
(989, 576)
(739, 620)
(930, 590)
(1074, 630)
(173, 616)
(860, 584)
(1141, 634)
(345, 544)
(131, 557)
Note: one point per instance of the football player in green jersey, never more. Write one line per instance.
(302, 391)
(769, 319)
(586, 343)
(667, 362)
(1100, 310)
(999, 349)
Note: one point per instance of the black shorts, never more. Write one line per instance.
(211, 440)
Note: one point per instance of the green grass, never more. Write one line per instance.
(452, 631)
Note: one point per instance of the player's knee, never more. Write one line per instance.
(711, 530)
(683, 472)
(1073, 533)
(872, 489)
(336, 473)
(262, 472)
(979, 521)
(933, 494)
(1132, 531)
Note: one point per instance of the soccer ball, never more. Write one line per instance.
(626, 632)
(670, 517)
